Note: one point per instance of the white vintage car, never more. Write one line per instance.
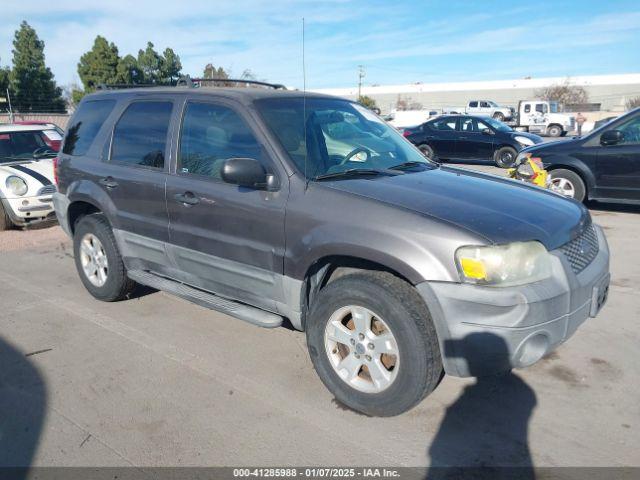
(26, 176)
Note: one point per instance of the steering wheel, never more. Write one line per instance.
(41, 151)
(354, 152)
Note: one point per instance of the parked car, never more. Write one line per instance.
(26, 177)
(409, 118)
(603, 165)
(489, 108)
(50, 133)
(396, 268)
(466, 137)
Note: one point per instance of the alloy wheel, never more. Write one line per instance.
(93, 259)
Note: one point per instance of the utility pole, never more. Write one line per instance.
(10, 109)
(361, 75)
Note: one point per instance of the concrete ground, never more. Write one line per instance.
(156, 381)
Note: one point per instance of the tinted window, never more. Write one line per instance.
(631, 131)
(527, 108)
(86, 124)
(484, 105)
(444, 124)
(472, 125)
(20, 145)
(210, 135)
(140, 137)
(473, 104)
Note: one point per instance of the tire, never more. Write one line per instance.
(554, 130)
(403, 311)
(5, 221)
(562, 178)
(505, 157)
(499, 116)
(117, 285)
(427, 151)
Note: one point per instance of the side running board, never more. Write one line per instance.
(208, 300)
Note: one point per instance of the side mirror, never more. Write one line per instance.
(247, 172)
(611, 137)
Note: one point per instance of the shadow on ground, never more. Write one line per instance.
(23, 401)
(486, 428)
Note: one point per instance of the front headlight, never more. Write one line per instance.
(16, 185)
(524, 141)
(504, 265)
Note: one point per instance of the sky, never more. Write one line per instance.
(396, 41)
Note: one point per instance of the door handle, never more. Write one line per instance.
(108, 182)
(187, 198)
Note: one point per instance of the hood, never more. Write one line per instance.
(36, 174)
(555, 146)
(498, 209)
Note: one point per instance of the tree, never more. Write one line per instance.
(211, 72)
(31, 81)
(128, 71)
(171, 66)
(151, 64)
(4, 80)
(99, 65)
(564, 93)
(368, 102)
(632, 103)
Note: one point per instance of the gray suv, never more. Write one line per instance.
(272, 205)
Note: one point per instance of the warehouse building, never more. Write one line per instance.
(608, 93)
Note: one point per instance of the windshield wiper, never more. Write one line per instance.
(352, 172)
(406, 165)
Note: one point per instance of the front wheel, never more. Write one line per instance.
(499, 116)
(554, 130)
(427, 151)
(567, 183)
(505, 157)
(373, 344)
(98, 260)
(5, 221)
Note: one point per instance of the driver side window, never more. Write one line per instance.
(210, 135)
(631, 131)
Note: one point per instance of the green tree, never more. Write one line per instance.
(31, 81)
(4, 80)
(128, 71)
(368, 102)
(212, 72)
(99, 65)
(171, 66)
(151, 64)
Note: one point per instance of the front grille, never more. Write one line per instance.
(581, 251)
(47, 190)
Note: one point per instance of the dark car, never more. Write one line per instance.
(603, 165)
(469, 137)
(270, 205)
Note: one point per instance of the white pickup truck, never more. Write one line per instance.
(488, 108)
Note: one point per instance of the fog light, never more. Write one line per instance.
(25, 203)
(532, 350)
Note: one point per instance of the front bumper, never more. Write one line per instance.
(29, 210)
(485, 330)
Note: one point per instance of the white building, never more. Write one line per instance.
(610, 91)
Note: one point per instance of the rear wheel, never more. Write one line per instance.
(5, 221)
(505, 157)
(373, 344)
(98, 260)
(568, 183)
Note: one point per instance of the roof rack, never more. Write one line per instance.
(199, 82)
(189, 82)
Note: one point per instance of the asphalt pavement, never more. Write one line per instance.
(157, 381)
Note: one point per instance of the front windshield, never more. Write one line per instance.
(20, 146)
(335, 136)
(493, 104)
(497, 124)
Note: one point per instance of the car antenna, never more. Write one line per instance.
(304, 111)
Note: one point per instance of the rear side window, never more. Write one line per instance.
(86, 125)
(444, 124)
(140, 136)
